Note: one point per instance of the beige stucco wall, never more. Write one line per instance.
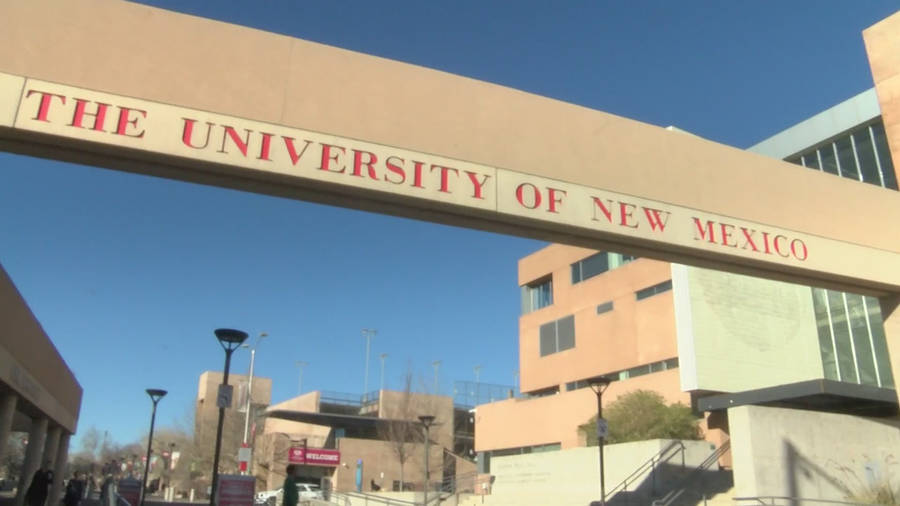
(514, 423)
(636, 332)
(739, 333)
(378, 457)
(797, 453)
(882, 40)
(570, 477)
(31, 366)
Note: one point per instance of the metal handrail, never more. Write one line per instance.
(650, 463)
(377, 499)
(773, 498)
(682, 485)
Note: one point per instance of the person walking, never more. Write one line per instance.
(40, 486)
(74, 490)
(290, 494)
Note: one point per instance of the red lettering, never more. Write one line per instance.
(625, 213)
(125, 120)
(231, 133)
(81, 112)
(603, 209)
(292, 151)
(445, 171)
(265, 146)
(805, 251)
(653, 217)
(748, 239)
(704, 232)
(535, 195)
(396, 168)
(417, 174)
(726, 234)
(554, 198)
(477, 185)
(188, 133)
(327, 157)
(778, 247)
(766, 243)
(358, 163)
(44, 107)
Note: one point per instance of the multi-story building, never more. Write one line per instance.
(705, 338)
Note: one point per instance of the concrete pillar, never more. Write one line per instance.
(7, 413)
(59, 470)
(33, 453)
(51, 445)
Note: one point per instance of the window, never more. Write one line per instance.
(536, 295)
(597, 264)
(650, 291)
(558, 335)
(605, 307)
(590, 267)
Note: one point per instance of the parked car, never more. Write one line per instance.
(273, 497)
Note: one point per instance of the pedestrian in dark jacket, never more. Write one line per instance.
(74, 490)
(40, 486)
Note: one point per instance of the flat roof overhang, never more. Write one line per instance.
(334, 419)
(818, 395)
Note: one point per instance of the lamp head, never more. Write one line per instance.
(156, 394)
(599, 384)
(230, 338)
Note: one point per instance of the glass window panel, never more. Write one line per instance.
(865, 361)
(653, 290)
(846, 160)
(576, 273)
(794, 159)
(841, 336)
(548, 338)
(829, 162)
(565, 332)
(884, 156)
(826, 349)
(882, 359)
(605, 307)
(811, 160)
(594, 265)
(866, 156)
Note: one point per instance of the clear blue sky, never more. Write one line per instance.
(129, 275)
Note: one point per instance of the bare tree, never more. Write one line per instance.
(397, 429)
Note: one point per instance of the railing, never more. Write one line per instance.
(791, 501)
(682, 486)
(451, 484)
(664, 455)
(347, 498)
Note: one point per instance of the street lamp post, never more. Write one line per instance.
(230, 340)
(155, 396)
(300, 364)
(427, 421)
(437, 365)
(367, 334)
(249, 405)
(250, 386)
(599, 385)
(382, 356)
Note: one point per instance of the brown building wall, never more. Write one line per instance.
(634, 333)
(515, 423)
(30, 364)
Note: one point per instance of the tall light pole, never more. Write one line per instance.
(230, 340)
(477, 371)
(437, 365)
(382, 356)
(427, 421)
(599, 385)
(367, 334)
(250, 385)
(155, 396)
(300, 364)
